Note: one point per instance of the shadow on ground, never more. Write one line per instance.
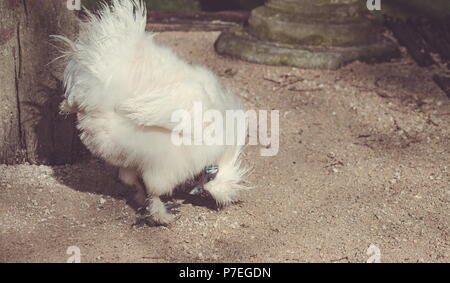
(96, 177)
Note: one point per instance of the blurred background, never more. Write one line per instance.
(192, 5)
(400, 8)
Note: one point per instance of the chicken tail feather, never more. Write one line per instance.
(107, 43)
(227, 184)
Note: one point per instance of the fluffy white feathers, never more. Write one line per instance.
(125, 87)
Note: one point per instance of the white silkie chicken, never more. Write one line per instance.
(124, 88)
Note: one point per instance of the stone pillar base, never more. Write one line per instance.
(240, 44)
(322, 34)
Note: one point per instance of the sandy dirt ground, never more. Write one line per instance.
(363, 160)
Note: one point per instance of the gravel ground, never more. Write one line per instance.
(363, 160)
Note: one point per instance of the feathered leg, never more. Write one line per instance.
(157, 211)
(129, 176)
(156, 186)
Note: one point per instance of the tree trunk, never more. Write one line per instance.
(31, 130)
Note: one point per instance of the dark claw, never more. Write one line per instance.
(213, 169)
(171, 208)
(199, 191)
(196, 190)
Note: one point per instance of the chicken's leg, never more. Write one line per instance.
(158, 212)
(157, 184)
(129, 176)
